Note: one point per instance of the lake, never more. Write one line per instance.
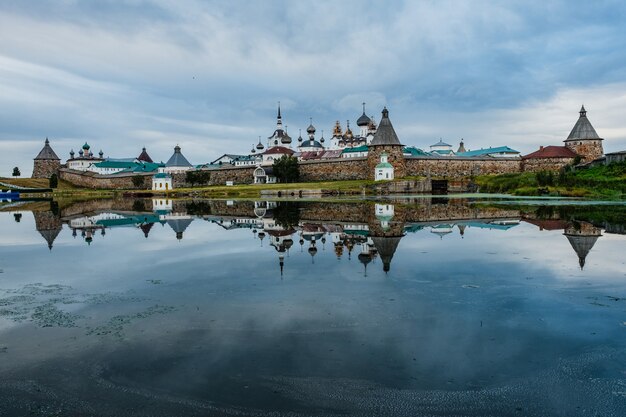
(468, 306)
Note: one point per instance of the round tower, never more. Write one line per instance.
(386, 141)
(46, 162)
(584, 140)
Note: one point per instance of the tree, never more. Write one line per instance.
(16, 172)
(286, 169)
(138, 181)
(54, 181)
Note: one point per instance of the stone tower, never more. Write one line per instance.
(46, 162)
(386, 140)
(584, 140)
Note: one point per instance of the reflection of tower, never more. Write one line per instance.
(582, 236)
(385, 234)
(312, 251)
(179, 226)
(48, 225)
(145, 228)
(461, 229)
(365, 257)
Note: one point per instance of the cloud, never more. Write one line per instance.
(495, 73)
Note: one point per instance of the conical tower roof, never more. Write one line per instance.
(385, 135)
(582, 244)
(143, 156)
(386, 247)
(50, 235)
(177, 159)
(47, 152)
(583, 128)
(179, 226)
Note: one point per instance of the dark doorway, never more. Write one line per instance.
(440, 186)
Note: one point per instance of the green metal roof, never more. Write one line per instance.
(384, 165)
(362, 148)
(413, 151)
(489, 151)
(115, 164)
(161, 175)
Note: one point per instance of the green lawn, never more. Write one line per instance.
(598, 182)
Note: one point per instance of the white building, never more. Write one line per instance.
(264, 175)
(84, 160)
(384, 170)
(162, 182)
(442, 148)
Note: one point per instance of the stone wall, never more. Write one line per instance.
(455, 167)
(97, 181)
(545, 164)
(239, 175)
(44, 168)
(587, 149)
(334, 169)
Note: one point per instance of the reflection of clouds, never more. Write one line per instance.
(463, 316)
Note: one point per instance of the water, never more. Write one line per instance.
(397, 307)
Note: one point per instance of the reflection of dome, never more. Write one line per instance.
(365, 258)
(288, 243)
(441, 229)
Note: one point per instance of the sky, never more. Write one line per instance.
(207, 75)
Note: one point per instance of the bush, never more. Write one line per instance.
(54, 181)
(545, 178)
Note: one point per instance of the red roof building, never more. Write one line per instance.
(551, 152)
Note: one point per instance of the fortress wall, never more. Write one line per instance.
(455, 167)
(340, 169)
(545, 164)
(97, 181)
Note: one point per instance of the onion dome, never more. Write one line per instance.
(80, 153)
(348, 134)
(286, 139)
(300, 137)
(363, 120)
(101, 154)
(253, 150)
(86, 146)
(311, 129)
(337, 130)
(72, 154)
(322, 138)
(372, 125)
(259, 145)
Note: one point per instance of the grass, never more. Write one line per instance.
(37, 183)
(254, 190)
(606, 182)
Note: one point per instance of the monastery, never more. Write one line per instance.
(372, 151)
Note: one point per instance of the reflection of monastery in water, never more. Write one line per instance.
(369, 233)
